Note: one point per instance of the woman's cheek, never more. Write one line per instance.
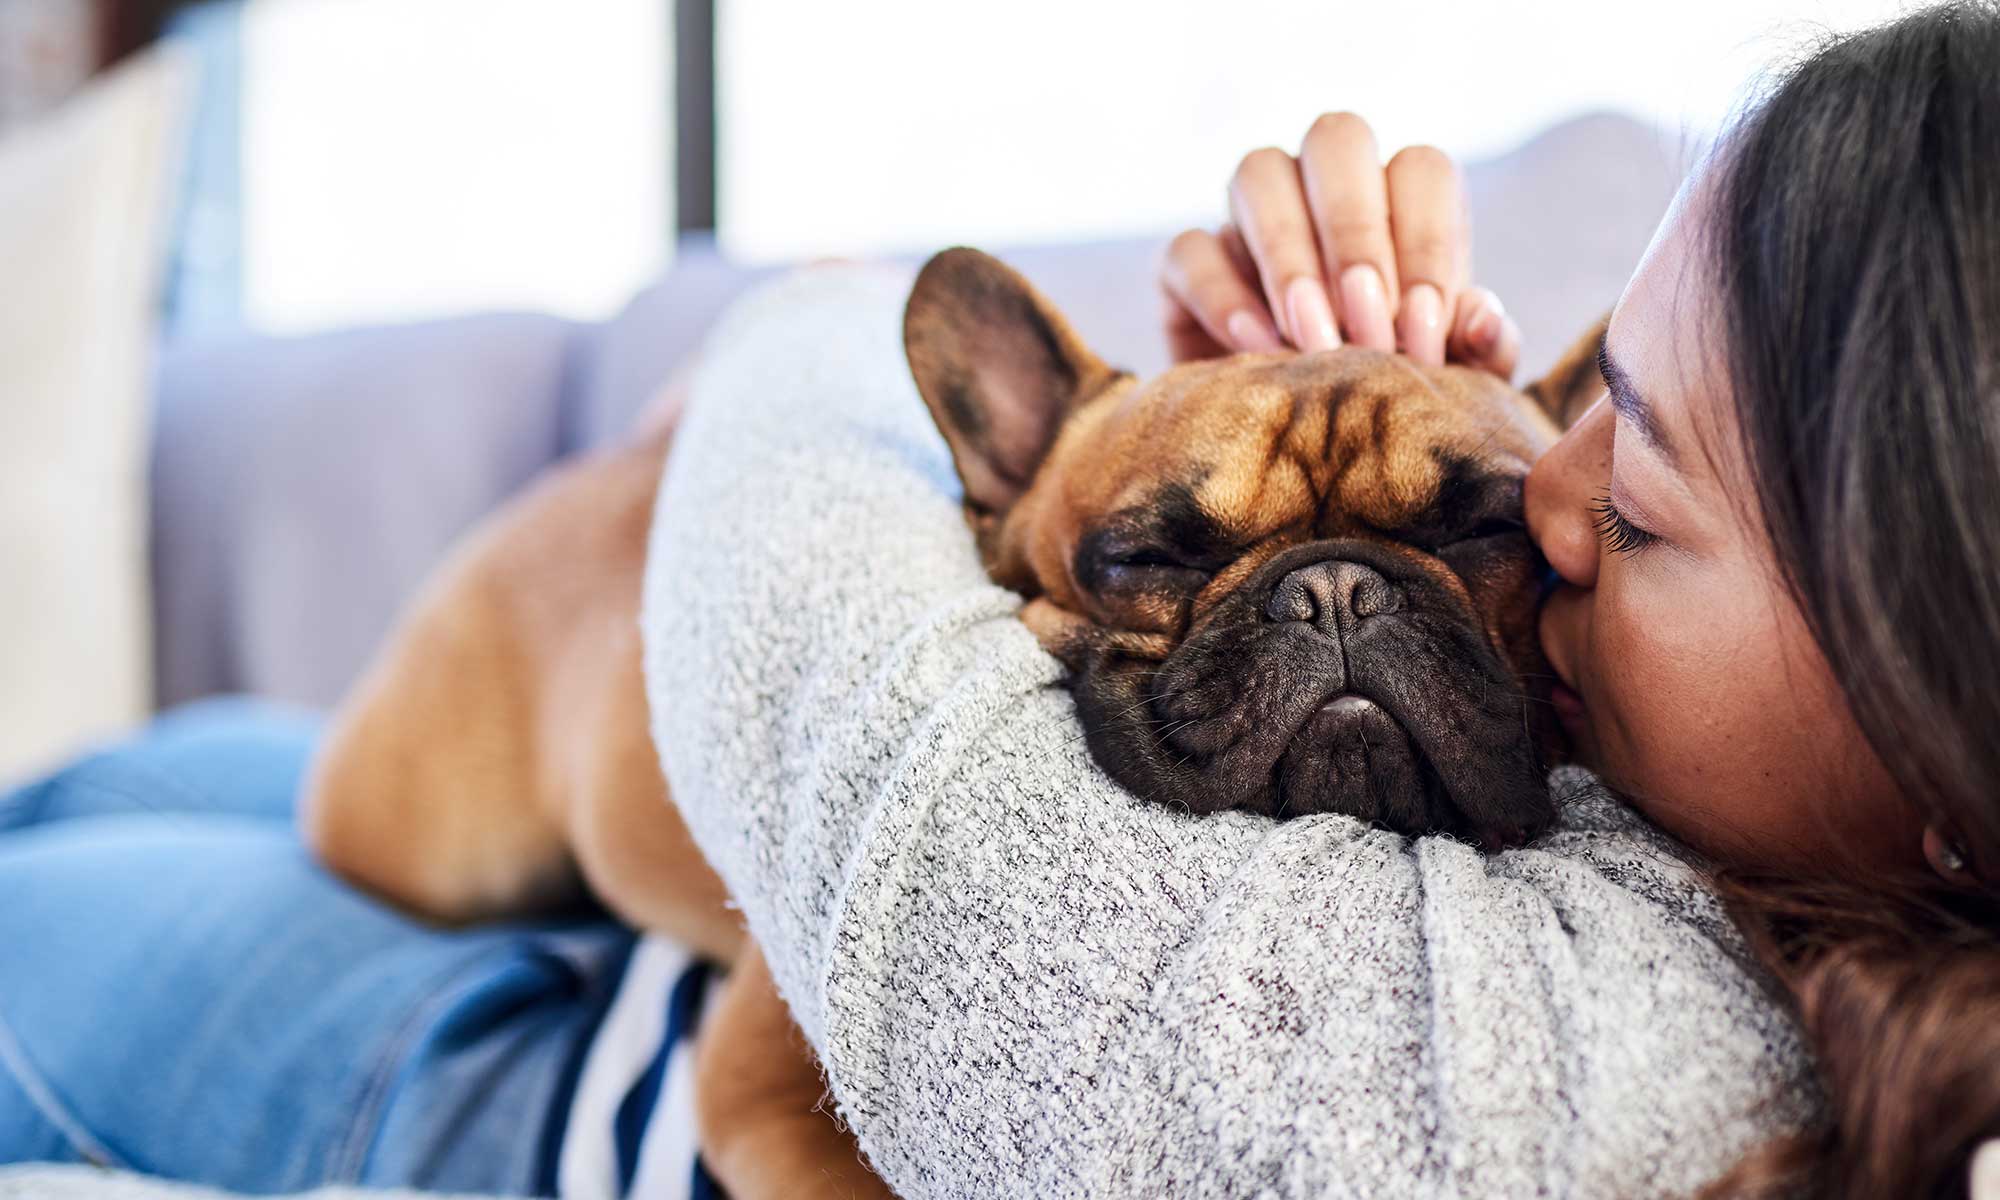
(1657, 657)
(1703, 700)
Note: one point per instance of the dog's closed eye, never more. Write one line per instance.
(1103, 565)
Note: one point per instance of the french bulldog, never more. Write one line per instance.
(1288, 583)
(1285, 583)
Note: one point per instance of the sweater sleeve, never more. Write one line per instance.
(1023, 981)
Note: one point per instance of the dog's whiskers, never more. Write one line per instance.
(1054, 721)
(1160, 738)
(1084, 733)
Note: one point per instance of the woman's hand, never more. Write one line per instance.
(1332, 247)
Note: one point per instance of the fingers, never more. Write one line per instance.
(1433, 248)
(1335, 244)
(1252, 329)
(1213, 303)
(1268, 203)
(1483, 335)
(1348, 196)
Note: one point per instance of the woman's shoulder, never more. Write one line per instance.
(1610, 909)
(1597, 830)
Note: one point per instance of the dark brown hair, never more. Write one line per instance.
(1856, 251)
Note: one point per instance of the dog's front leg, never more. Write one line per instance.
(765, 1125)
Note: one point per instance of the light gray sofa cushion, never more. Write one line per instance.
(302, 486)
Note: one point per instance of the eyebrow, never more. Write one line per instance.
(1629, 404)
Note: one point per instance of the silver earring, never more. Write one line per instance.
(1952, 858)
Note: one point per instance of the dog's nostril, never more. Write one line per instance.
(1337, 590)
(1290, 601)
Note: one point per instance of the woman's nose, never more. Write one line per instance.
(1561, 490)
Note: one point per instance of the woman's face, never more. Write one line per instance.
(1690, 680)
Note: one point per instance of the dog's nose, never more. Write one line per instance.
(1337, 591)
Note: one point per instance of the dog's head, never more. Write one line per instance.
(1287, 583)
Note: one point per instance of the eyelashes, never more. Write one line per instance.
(1614, 532)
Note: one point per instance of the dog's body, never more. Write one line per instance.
(1286, 583)
(496, 757)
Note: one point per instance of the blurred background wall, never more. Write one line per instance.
(370, 160)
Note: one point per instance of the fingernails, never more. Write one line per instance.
(1484, 330)
(1311, 315)
(1366, 304)
(1482, 333)
(1420, 326)
(1251, 333)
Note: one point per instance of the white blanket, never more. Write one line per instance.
(95, 1183)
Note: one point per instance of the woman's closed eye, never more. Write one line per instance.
(1615, 531)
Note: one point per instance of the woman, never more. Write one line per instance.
(1776, 539)
(1775, 630)
(1779, 563)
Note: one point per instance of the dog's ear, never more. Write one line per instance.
(1573, 384)
(999, 368)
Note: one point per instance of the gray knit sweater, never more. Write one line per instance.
(1024, 982)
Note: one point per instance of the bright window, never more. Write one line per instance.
(902, 124)
(408, 158)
